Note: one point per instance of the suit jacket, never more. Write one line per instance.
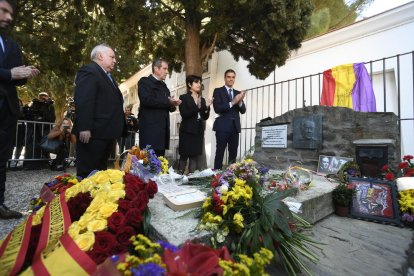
(12, 58)
(226, 116)
(99, 104)
(153, 116)
(189, 112)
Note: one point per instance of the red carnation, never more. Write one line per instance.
(133, 217)
(124, 234)
(385, 167)
(115, 221)
(409, 172)
(403, 165)
(390, 176)
(407, 157)
(104, 242)
(152, 188)
(123, 205)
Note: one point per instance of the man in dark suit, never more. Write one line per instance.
(227, 103)
(12, 73)
(99, 112)
(154, 107)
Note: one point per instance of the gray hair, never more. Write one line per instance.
(98, 49)
(157, 63)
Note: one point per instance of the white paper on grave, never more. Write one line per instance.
(294, 206)
(203, 173)
(191, 196)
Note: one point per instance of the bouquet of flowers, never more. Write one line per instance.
(95, 218)
(145, 163)
(55, 187)
(242, 214)
(404, 168)
(160, 258)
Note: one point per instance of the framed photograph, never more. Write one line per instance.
(331, 164)
(375, 200)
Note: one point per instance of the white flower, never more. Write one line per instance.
(223, 189)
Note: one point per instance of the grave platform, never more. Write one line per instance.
(178, 226)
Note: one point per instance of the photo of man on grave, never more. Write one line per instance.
(307, 132)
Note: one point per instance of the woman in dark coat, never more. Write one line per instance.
(194, 112)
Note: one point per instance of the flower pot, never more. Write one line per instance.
(341, 211)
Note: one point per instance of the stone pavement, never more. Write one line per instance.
(351, 247)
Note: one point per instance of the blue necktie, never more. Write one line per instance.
(230, 94)
(110, 77)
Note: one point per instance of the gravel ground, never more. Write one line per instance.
(21, 186)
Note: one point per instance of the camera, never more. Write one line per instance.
(39, 110)
(65, 128)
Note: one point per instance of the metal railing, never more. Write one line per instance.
(393, 83)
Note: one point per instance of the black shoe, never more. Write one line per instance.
(6, 213)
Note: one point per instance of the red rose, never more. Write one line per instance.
(115, 221)
(98, 258)
(138, 204)
(151, 188)
(142, 196)
(104, 242)
(131, 194)
(123, 205)
(134, 182)
(385, 167)
(409, 172)
(133, 217)
(124, 234)
(390, 176)
(408, 157)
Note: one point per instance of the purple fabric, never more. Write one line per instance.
(363, 98)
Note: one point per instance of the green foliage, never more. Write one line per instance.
(342, 195)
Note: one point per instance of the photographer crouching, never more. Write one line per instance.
(63, 132)
(39, 111)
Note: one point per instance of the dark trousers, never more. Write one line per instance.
(8, 124)
(92, 156)
(224, 139)
(160, 152)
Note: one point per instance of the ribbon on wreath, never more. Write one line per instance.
(14, 248)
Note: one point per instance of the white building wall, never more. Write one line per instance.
(384, 35)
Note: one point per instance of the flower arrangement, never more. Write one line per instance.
(145, 163)
(103, 212)
(242, 214)
(114, 212)
(406, 202)
(404, 168)
(58, 185)
(160, 258)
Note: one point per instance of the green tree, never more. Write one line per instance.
(333, 14)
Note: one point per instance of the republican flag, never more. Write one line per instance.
(348, 85)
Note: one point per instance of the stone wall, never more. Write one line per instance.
(340, 128)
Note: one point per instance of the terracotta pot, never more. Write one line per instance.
(342, 211)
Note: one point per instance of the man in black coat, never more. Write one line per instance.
(155, 105)
(99, 112)
(12, 73)
(227, 103)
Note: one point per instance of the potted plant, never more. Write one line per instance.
(342, 196)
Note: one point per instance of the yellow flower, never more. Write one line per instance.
(238, 221)
(85, 241)
(96, 204)
(71, 192)
(74, 230)
(118, 186)
(114, 195)
(207, 203)
(115, 175)
(85, 219)
(37, 218)
(108, 209)
(97, 225)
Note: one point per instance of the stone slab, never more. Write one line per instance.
(177, 227)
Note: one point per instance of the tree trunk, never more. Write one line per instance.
(193, 64)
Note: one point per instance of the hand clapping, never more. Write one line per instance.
(174, 101)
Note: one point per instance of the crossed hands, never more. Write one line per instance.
(238, 98)
(24, 72)
(174, 101)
